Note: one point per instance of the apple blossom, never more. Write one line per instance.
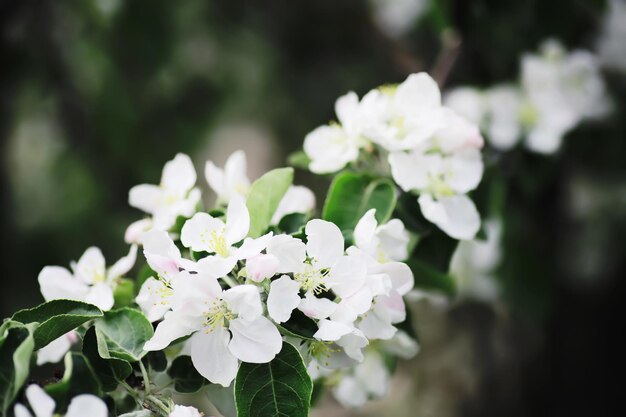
(230, 181)
(185, 411)
(43, 405)
(226, 326)
(89, 280)
(54, 351)
(175, 196)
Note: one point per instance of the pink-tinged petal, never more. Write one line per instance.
(212, 358)
(261, 267)
(256, 341)
(283, 298)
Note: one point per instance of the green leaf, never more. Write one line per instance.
(122, 333)
(351, 195)
(157, 361)
(79, 378)
(186, 378)
(299, 159)
(109, 371)
(428, 278)
(16, 349)
(293, 222)
(281, 387)
(56, 317)
(299, 325)
(265, 195)
(124, 293)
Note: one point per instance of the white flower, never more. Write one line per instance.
(332, 147)
(297, 199)
(230, 181)
(473, 264)
(136, 230)
(205, 233)
(387, 242)
(562, 90)
(54, 351)
(442, 179)
(43, 406)
(90, 281)
(185, 411)
(367, 380)
(154, 298)
(227, 326)
(408, 115)
(174, 196)
(317, 266)
(612, 43)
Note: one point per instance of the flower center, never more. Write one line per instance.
(216, 242)
(312, 279)
(321, 351)
(439, 188)
(217, 315)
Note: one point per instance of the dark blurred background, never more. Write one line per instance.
(96, 95)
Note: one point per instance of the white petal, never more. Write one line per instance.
(261, 267)
(365, 231)
(124, 265)
(455, 215)
(212, 358)
(204, 233)
(215, 266)
(235, 170)
(146, 197)
(393, 240)
(411, 170)
(330, 149)
(291, 253)
(135, 231)
(20, 411)
(283, 298)
(237, 220)
(216, 179)
(257, 341)
(317, 308)
(100, 295)
(464, 170)
(418, 92)
(399, 273)
(349, 392)
(87, 405)
(90, 268)
(245, 301)
(346, 107)
(375, 327)
(544, 140)
(54, 351)
(57, 282)
(179, 174)
(175, 325)
(352, 343)
(297, 199)
(332, 331)
(402, 345)
(41, 403)
(185, 411)
(324, 242)
(252, 247)
(347, 276)
(154, 299)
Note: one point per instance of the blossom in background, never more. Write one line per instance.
(612, 42)
(90, 281)
(557, 91)
(233, 181)
(175, 196)
(54, 351)
(396, 17)
(227, 326)
(43, 405)
(474, 262)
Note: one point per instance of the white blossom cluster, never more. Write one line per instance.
(429, 149)
(229, 297)
(557, 91)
